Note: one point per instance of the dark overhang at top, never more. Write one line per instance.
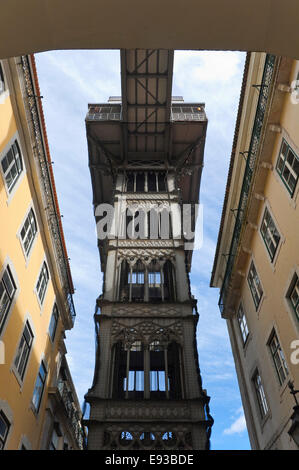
(146, 127)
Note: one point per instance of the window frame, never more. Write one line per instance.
(51, 331)
(19, 355)
(291, 288)
(281, 356)
(257, 304)
(6, 421)
(11, 296)
(2, 80)
(36, 391)
(14, 144)
(241, 324)
(31, 213)
(271, 255)
(44, 268)
(132, 181)
(280, 172)
(260, 395)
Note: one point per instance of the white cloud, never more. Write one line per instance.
(238, 426)
(216, 67)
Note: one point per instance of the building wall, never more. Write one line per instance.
(274, 312)
(26, 425)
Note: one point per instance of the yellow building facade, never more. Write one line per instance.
(256, 264)
(39, 408)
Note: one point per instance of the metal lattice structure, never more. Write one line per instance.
(146, 147)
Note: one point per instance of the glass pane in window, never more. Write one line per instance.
(3, 427)
(37, 393)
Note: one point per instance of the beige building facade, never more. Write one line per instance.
(39, 408)
(256, 264)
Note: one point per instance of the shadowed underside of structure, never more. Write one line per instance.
(259, 25)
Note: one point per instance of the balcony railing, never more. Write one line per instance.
(264, 94)
(48, 189)
(98, 112)
(113, 113)
(71, 412)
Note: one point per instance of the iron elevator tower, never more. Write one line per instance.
(145, 157)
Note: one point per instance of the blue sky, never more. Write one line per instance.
(69, 80)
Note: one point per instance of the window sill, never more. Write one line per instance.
(34, 411)
(264, 420)
(18, 377)
(246, 344)
(284, 387)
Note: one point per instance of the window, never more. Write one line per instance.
(12, 166)
(146, 371)
(28, 231)
(7, 292)
(270, 234)
(260, 394)
(148, 181)
(278, 358)
(137, 277)
(53, 322)
(4, 429)
(24, 350)
(136, 282)
(293, 295)
(42, 283)
(149, 282)
(158, 373)
(133, 382)
(154, 279)
(288, 167)
(255, 285)
(242, 324)
(159, 224)
(39, 386)
(2, 82)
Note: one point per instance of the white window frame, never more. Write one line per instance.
(41, 300)
(257, 306)
(4, 91)
(42, 393)
(243, 326)
(55, 308)
(11, 296)
(2, 80)
(292, 195)
(10, 192)
(24, 442)
(4, 437)
(15, 368)
(27, 253)
(291, 284)
(281, 357)
(16, 162)
(260, 395)
(273, 258)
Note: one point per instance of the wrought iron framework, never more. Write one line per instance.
(146, 100)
